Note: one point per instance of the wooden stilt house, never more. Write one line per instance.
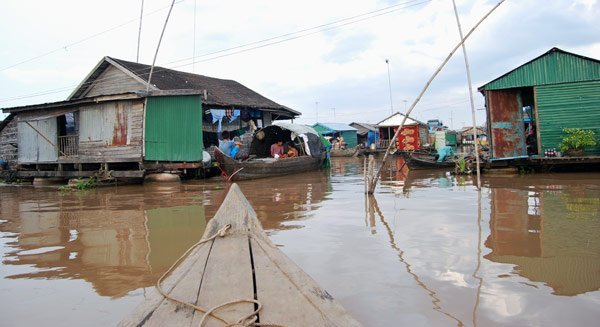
(112, 123)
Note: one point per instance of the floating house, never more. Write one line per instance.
(528, 107)
(8, 144)
(466, 135)
(111, 122)
(338, 129)
(366, 133)
(412, 137)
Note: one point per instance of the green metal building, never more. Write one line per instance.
(528, 107)
(348, 132)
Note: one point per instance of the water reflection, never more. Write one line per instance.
(373, 207)
(104, 238)
(434, 251)
(282, 202)
(550, 232)
(123, 239)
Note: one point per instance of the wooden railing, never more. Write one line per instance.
(68, 145)
(383, 144)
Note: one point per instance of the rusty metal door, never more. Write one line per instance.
(506, 121)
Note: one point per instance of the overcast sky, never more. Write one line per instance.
(48, 47)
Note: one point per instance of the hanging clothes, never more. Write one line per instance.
(234, 115)
(217, 115)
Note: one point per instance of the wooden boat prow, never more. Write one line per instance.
(244, 264)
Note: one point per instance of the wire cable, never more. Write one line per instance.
(84, 39)
(255, 45)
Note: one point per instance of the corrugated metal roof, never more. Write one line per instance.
(396, 119)
(553, 67)
(337, 127)
(363, 128)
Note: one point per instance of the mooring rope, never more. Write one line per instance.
(246, 321)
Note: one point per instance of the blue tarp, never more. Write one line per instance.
(444, 152)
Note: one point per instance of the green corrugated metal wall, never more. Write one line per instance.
(174, 128)
(350, 138)
(552, 68)
(575, 105)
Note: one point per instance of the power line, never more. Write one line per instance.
(316, 29)
(84, 39)
(244, 48)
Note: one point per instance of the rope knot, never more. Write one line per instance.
(221, 232)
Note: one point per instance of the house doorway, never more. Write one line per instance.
(527, 100)
(68, 134)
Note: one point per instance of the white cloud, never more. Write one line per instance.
(340, 68)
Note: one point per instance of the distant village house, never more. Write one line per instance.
(412, 137)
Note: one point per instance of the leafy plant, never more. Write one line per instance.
(577, 139)
(85, 183)
(461, 166)
(80, 184)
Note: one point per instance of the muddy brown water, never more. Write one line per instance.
(426, 250)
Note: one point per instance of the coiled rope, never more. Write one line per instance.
(245, 321)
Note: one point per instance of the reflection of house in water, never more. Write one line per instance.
(117, 251)
(551, 237)
(281, 200)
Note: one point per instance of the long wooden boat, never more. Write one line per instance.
(344, 152)
(307, 141)
(265, 167)
(243, 264)
(422, 161)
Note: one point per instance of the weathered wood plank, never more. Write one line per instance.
(154, 299)
(107, 83)
(33, 173)
(170, 313)
(227, 277)
(281, 284)
(236, 211)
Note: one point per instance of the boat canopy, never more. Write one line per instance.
(305, 138)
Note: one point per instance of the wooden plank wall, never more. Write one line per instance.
(113, 81)
(131, 114)
(8, 138)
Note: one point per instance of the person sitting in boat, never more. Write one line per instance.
(226, 144)
(342, 143)
(237, 151)
(291, 152)
(277, 149)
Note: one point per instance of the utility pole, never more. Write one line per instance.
(387, 62)
(317, 110)
(333, 114)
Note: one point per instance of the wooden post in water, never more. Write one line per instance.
(464, 48)
(365, 174)
(371, 188)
